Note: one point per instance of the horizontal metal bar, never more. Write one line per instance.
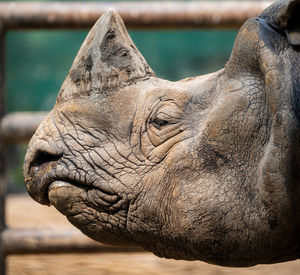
(20, 126)
(36, 241)
(162, 14)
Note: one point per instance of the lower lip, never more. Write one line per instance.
(59, 194)
(58, 184)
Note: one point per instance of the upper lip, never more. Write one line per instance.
(39, 171)
(37, 184)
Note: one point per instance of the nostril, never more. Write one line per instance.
(43, 157)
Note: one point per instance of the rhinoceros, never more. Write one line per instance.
(205, 168)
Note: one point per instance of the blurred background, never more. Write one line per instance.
(38, 61)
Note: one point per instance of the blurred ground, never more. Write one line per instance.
(24, 212)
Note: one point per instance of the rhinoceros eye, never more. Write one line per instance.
(158, 122)
(166, 115)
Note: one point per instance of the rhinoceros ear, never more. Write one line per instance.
(106, 61)
(285, 15)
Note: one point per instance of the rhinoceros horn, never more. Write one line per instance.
(106, 61)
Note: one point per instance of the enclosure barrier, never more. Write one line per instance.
(19, 127)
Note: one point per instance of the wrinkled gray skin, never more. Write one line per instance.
(204, 168)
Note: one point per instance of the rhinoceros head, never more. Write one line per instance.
(204, 168)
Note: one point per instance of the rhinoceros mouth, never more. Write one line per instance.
(61, 191)
(45, 176)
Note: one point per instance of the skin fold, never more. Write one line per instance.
(206, 168)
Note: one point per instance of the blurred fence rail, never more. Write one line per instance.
(19, 127)
(47, 240)
(164, 14)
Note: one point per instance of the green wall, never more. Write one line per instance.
(38, 61)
